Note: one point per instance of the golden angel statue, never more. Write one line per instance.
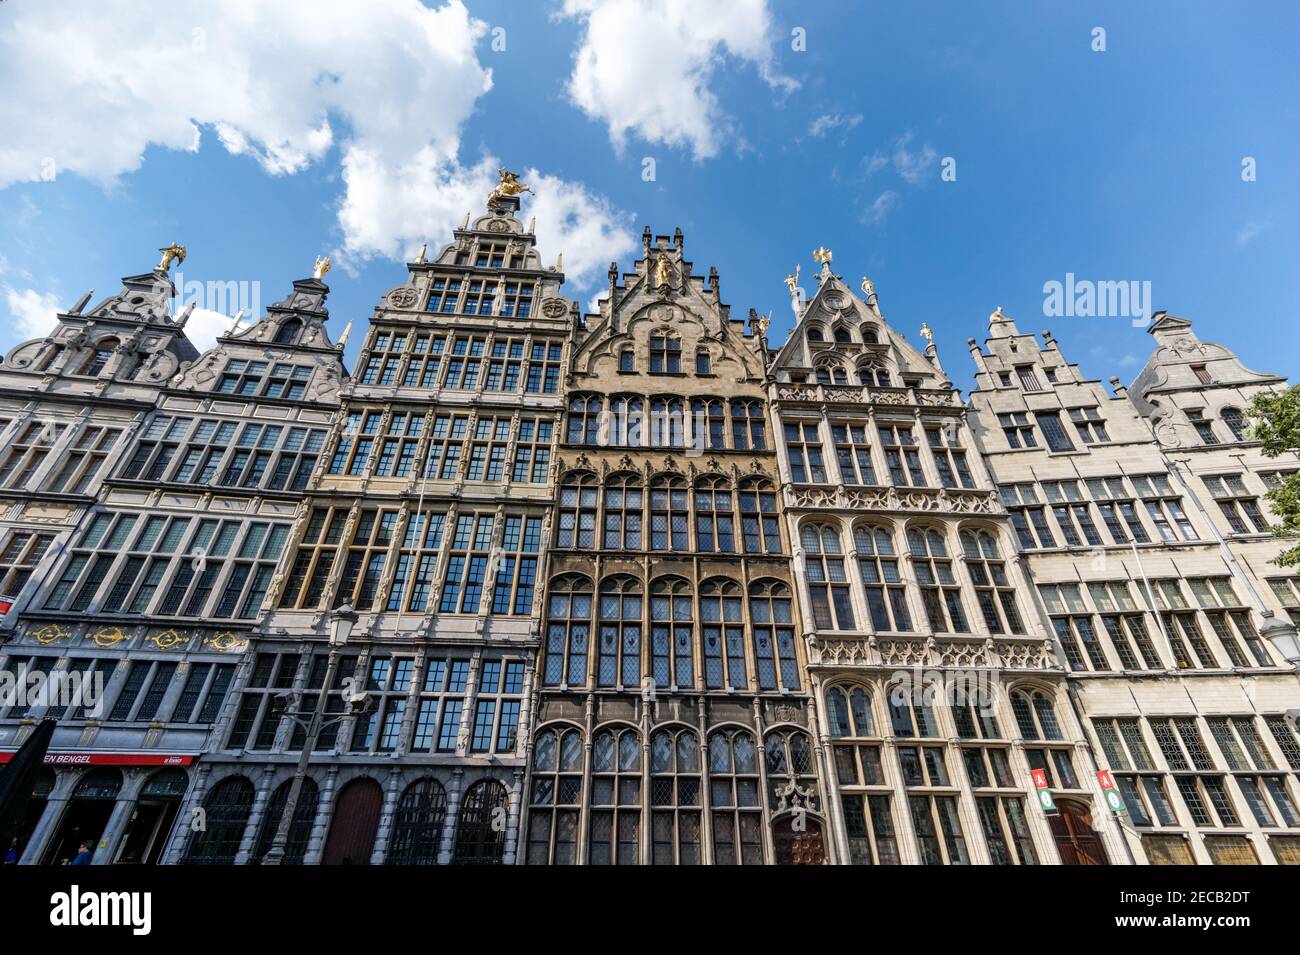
(321, 267)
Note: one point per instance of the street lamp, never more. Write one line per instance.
(342, 621)
(1282, 634)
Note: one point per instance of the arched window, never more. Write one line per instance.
(865, 800)
(288, 332)
(828, 585)
(675, 796)
(815, 334)
(624, 499)
(226, 810)
(669, 515)
(790, 772)
(911, 713)
(773, 623)
(568, 629)
(708, 423)
(723, 615)
(878, 566)
(626, 361)
(1236, 423)
(870, 335)
(1035, 715)
(748, 426)
(672, 633)
(733, 788)
(104, 349)
(715, 522)
(665, 355)
(758, 522)
(703, 364)
(615, 798)
(667, 423)
(480, 832)
(843, 335)
(619, 661)
(304, 817)
(874, 373)
(993, 591)
(584, 420)
(627, 417)
(831, 374)
(417, 824)
(555, 798)
(577, 524)
(940, 593)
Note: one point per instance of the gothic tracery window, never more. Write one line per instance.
(878, 567)
(675, 797)
(615, 836)
(672, 637)
(619, 659)
(733, 794)
(555, 798)
(568, 631)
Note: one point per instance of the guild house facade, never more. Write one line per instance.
(532, 584)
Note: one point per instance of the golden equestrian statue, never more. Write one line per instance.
(509, 185)
(170, 253)
(321, 267)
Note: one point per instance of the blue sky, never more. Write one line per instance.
(321, 130)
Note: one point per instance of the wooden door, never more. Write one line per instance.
(355, 823)
(798, 848)
(1076, 840)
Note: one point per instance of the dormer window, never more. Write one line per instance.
(1028, 378)
(490, 256)
(96, 362)
(870, 337)
(815, 335)
(703, 364)
(842, 336)
(288, 332)
(665, 355)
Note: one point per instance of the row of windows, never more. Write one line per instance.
(1089, 427)
(215, 452)
(444, 447)
(884, 601)
(130, 563)
(384, 565)
(1133, 637)
(707, 642)
(681, 789)
(141, 697)
(893, 457)
(1074, 511)
(1216, 764)
(637, 421)
(76, 463)
(631, 516)
(485, 363)
(412, 708)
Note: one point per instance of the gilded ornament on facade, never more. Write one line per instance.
(50, 633)
(509, 185)
(106, 637)
(170, 253)
(225, 641)
(167, 639)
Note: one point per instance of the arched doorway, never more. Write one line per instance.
(42, 786)
(355, 823)
(151, 821)
(481, 829)
(304, 817)
(417, 828)
(86, 816)
(225, 817)
(1076, 840)
(800, 845)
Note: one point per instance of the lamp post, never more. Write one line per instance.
(1282, 634)
(341, 623)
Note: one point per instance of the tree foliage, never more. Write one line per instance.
(1275, 423)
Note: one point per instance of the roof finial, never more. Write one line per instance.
(424, 247)
(997, 316)
(170, 253)
(321, 267)
(509, 185)
(343, 339)
(927, 334)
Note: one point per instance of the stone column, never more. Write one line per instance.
(119, 819)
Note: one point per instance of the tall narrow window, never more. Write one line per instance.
(619, 660)
(671, 633)
(827, 582)
(803, 445)
(878, 565)
(940, 593)
(665, 355)
(568, 628)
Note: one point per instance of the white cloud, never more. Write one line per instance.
(1248, 232)
(879, 210)
(914, 167)
(645, 67)
(204, 325)
(823, 124)
(390, 85)
(1128, 361)
(32, 312)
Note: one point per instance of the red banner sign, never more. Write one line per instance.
(109, 759)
